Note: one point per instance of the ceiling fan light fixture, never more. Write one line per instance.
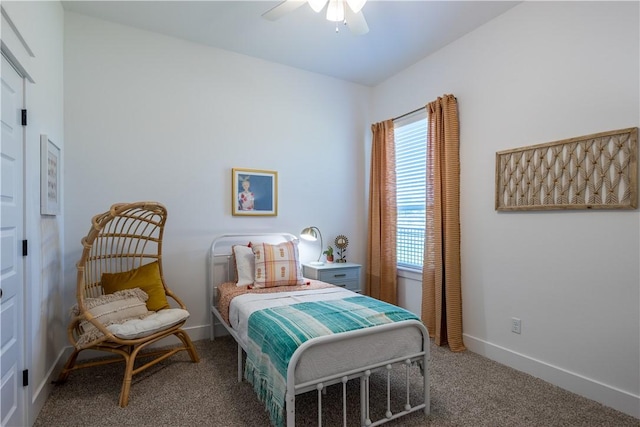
(335, 11)
(355, 5)
(346, 12)
(317, 5)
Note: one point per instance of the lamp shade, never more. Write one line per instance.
(335, 11)
(312, 234)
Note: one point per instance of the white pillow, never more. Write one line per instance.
(245, 265)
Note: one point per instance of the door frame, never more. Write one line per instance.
(16, 51)
(22, 360)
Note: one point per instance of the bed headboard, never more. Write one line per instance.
(221, 268)
(221, 263)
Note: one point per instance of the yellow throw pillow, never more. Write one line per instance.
(146, 278)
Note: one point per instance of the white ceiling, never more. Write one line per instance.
(401, 32)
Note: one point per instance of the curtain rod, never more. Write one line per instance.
(409, 113)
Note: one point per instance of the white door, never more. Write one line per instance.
(11, 235)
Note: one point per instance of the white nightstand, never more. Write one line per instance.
(346, 274)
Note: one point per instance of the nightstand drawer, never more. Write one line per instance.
(346, 275)
(338, 275)
(352, 285)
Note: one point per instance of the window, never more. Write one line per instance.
(410, 135)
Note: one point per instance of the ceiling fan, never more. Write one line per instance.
(347, 11)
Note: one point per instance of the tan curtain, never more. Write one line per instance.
(380, 275)
(441, 277)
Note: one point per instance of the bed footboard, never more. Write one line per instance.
(419, 355)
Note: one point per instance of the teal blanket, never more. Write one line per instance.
(276, 333)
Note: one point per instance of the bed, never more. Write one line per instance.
(314, 353)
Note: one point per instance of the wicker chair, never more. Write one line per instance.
(122, 240)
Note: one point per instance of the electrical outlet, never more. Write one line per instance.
(516, 325)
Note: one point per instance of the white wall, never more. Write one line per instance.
(40, 24)
(148, 117)
(542, 72)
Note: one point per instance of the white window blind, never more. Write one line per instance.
(410, 134)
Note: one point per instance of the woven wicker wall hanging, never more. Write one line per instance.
(598, 171)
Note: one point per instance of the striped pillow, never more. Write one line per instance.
(276, 265)
(111, 309)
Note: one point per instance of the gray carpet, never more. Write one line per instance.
(466, 390)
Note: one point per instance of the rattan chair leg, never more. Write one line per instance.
(68, 367)
(126, 382)
(188, 344)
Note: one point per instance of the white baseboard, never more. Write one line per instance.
(607, 395)
(201, 332)
(42, 391)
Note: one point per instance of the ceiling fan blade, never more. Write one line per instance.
(282, 9)
(317, 5)
(356, 22)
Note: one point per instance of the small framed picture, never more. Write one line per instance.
(254, 192)
(50, 167)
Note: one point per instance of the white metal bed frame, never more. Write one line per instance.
(220, 259)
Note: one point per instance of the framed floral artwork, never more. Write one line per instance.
(254, 192)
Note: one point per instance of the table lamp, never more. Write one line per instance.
(311, 234)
